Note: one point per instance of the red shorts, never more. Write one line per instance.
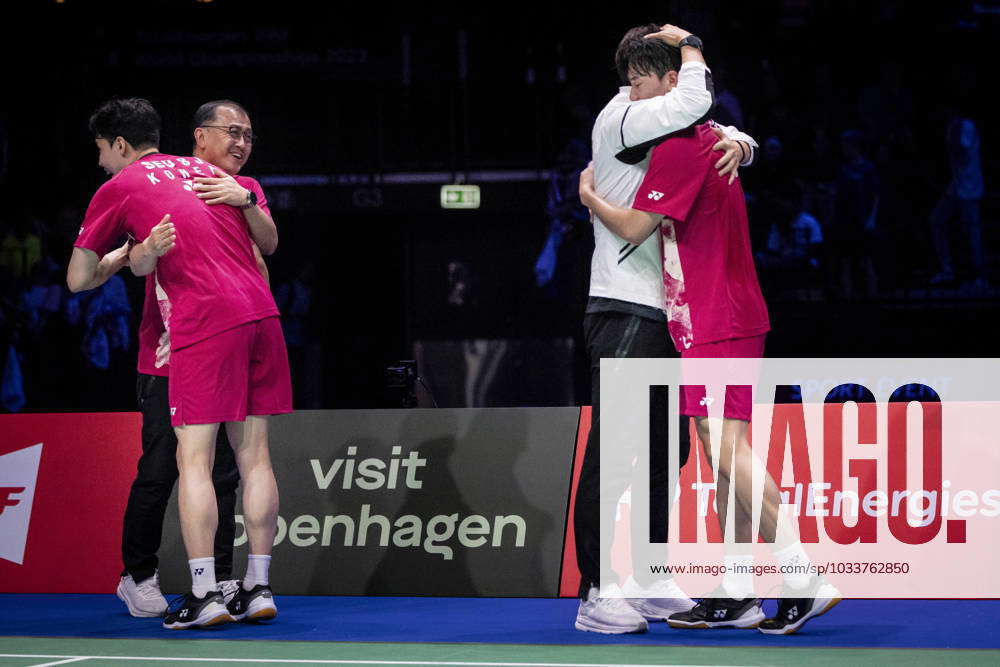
(738, 400)
(241, 371)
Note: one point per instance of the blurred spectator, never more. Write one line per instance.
(563, 208)
(962, 198)
(459, 284)
(886, 103)
(12, 397)
(767, 184)
(904, 179)
(795, 238)
(294, 300)
(21, 248)
(728, 110)
(853, 232)
(104, 312)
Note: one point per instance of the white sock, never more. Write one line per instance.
(202, 575)
(794, 557)
(257, 567)
(738, 579)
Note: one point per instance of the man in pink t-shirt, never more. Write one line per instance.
(223, 136)
(714, 309)
(712, 298)
(228, 362)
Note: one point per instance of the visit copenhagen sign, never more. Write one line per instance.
(414, 502)
(887, 471)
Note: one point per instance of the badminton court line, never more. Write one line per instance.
(304, 661)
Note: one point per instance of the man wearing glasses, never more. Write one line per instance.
(227, 144)
(222, 136)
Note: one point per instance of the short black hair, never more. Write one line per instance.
(206, 112)
(132, 118)
(645, 56)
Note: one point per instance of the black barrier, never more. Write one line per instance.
(413, 502)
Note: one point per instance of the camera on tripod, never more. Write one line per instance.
(401, 384)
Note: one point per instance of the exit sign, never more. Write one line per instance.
(459, 196)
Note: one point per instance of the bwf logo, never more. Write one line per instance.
(7, 494)
(18, 474)
(654, 195)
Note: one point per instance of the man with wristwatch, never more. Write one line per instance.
(157, 468)
(223, 139)
(624, 315)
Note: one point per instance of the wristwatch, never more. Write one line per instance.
(691, 40)
(251, 200)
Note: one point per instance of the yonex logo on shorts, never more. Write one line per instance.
(653, 194)
(706, 401)
(173, 411)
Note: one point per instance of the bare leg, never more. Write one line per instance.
(260, 491)
(724, 459)
(196, 492)
(748, 468)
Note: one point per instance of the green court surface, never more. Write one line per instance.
(38, 651)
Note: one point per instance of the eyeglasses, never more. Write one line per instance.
(235, 132)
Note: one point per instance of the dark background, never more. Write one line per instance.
(332, 97)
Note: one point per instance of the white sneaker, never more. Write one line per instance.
(228, 588)
(144, 600)
(609, 613)
(657, 601)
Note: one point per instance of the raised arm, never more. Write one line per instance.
(626, 223)
(688, 102)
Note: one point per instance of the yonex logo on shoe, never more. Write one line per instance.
(184, 613)
(654, 195)
(793, 612)
(719, 613)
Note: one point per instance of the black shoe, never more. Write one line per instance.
(714, 612)
(817, 598)
(189, 611)
(256, 604)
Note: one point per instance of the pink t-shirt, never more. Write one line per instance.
(151, 328)
(710, 284)
(210, 277)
